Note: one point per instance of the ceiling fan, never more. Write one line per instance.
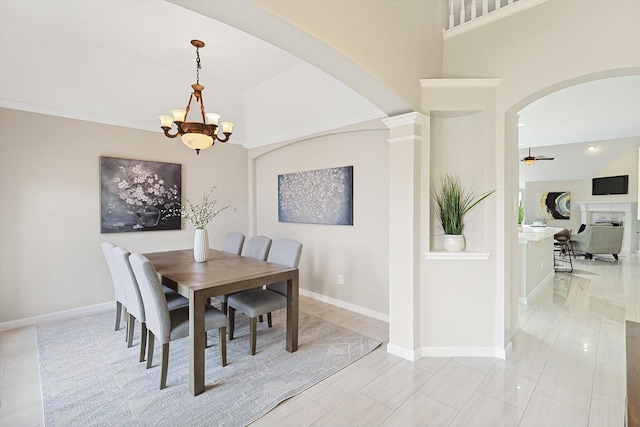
(529, 160)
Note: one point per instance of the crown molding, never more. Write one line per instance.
(459, 83)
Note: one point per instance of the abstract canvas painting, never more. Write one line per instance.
(138, 195)
(323, 196)
(555, 205)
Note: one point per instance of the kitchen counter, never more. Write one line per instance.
(535, 251)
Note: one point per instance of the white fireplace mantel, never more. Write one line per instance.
(618, 211)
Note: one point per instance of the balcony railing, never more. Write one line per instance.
(467, 14)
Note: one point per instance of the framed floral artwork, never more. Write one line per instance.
(139, 195)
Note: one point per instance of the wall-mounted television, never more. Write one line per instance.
(610, 185)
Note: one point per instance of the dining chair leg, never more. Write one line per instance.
(143, 340)
(131, 324)
(252, 334)
(223, 307)
(269, 323)
(150, 340)
(118, 314)
(222, 343)
(232, 320)
(260, 318)
(126, 324)
(164, 366)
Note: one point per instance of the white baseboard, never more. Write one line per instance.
(99, 308)
(508, 349)
(57, 316)
(411, 355)
(500, 353)
(516, 328)
(537, 292)
(347, 306)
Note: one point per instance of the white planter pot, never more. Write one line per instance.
(201, 245)
(453, 242)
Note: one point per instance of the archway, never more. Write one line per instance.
(514, 168)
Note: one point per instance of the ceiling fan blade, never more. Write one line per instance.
(532, 159)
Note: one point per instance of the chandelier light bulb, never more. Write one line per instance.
(178, 115)
(212, 118)
(166, 121)
(227, 127)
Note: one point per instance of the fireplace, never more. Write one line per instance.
(616, 213)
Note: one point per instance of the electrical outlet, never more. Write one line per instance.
(340, 279)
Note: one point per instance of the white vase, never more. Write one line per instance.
(453, 242)
(201, 245)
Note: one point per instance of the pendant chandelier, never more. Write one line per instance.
(195, 135)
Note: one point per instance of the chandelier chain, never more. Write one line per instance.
(198, 66)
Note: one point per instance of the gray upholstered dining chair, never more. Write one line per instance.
(168, 325)
(121, 298)
(233, 243)
(257, 302)
(258, 248)
(135, 306)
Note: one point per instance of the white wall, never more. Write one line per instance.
(542, 47)
(50, 257)
(359, 252)
(461, 299)
(536, 52)
(397, 42)
(309, 109)
(458, 149)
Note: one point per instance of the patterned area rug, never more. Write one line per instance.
(90, 377)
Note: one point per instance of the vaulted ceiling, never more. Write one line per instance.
(125, 62)
(598, 110)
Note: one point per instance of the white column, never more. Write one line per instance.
(406, 133)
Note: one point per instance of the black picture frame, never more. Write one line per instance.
(139, 195)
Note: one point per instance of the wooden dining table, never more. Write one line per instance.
(222, 273)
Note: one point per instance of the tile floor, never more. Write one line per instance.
(567, 367)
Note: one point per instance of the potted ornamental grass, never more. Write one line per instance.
(452, 202)
(520, 215)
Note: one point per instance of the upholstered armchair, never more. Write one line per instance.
(599, 239)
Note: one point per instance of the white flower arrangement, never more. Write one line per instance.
(139, 188)
(200, 215)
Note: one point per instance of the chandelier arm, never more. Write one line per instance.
(167, 134)
(226, 134)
